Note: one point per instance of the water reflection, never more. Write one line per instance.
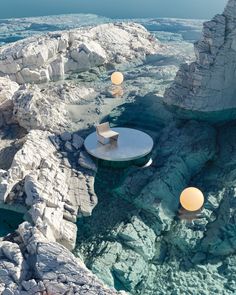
(189, 215)
(117, 91)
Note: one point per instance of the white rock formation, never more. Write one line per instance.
(54, 191)
(7, 89)
(46, 108)
(53, 269)
(50, 57)
(208, 84)
(13, 268)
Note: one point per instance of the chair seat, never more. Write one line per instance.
(109, 133)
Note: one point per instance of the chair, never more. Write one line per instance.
(105, 134)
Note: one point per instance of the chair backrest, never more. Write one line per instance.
(103, 127)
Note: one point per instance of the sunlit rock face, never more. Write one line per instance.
(208, 84)
(47, 108)
(52, 56)
(7, 89)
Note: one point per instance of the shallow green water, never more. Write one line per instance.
(9, 221)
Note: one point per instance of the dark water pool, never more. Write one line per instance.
(9, 221)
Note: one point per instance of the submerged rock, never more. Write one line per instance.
(186, 150)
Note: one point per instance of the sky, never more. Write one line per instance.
(200, 9)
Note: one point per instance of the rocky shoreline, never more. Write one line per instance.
(47, 175)
(50, 175)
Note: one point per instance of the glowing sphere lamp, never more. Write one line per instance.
(192, 199)
(117, 78)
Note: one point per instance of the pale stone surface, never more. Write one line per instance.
(53, 268)
(55, 193)
(150, 250)
(7, 90)
(54, 176)
(51, 57)
(36, 110)
(46, 108)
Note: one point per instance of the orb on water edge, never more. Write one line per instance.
(117, 78)
(192, 199)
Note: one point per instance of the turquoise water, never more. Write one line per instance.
(9, 221)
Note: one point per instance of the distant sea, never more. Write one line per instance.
(165, 29)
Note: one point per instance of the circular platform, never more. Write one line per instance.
(132, 144)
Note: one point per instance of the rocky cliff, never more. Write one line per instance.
(207, 84)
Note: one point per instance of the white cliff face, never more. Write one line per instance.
(208, 84)
(52, 56)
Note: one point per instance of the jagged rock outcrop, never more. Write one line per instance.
(7, 89)
(48, 108)
(151, 246)
(131, 251)
(30, 265)
(207, 86)
(51, 57)
(13, 266)
(51, 177)
(55, 190)
(138, 240)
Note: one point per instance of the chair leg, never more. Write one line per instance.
(115, 137)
